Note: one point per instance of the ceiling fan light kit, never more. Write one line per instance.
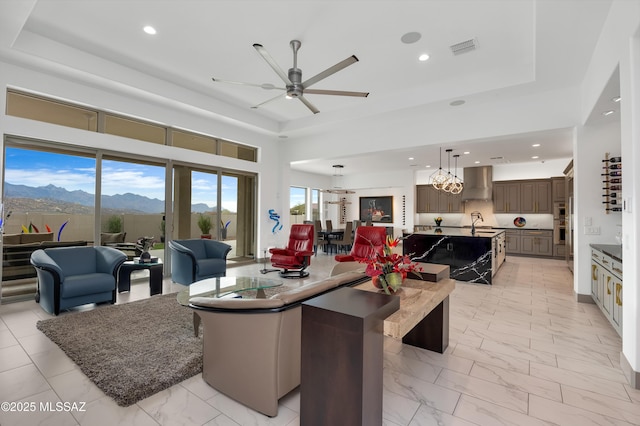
(295, 88)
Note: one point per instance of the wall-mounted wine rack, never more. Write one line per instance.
(612, 183)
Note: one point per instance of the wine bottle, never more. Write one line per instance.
(612, 195)
(614, 166)
(614, 160)
(610, 202)
(614, 188)
(615, 180)
(615, 173)
(615, 209)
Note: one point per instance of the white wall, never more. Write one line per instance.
(618, 45)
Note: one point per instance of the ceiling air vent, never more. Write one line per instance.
(464, 47)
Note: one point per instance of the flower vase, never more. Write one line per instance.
(438, 222)
(389, 283)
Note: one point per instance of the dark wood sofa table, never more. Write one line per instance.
(342, 357)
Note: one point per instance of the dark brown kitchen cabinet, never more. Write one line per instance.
(506, 197)
(451, 203)
(535, 196)
(431, 200)
(558, 190)
(428, 199)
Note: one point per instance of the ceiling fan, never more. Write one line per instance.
(294, 86)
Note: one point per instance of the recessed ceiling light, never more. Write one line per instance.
(457, 103)
(466, 153)
(411, 37)
(423, 57)
(410, 158)
(608, 112)
(616, 99)
(535, 145)
(476, 162)
(149, 30)
(428, 166)
(535, 157)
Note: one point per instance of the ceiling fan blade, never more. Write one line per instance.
(309, 104)
(272, 63)
(329, 71)
(265, 86)
(267, 101)
(336, 92)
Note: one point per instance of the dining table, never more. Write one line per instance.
(330, 236)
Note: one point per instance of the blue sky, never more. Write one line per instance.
(296, 196)
(37, 168)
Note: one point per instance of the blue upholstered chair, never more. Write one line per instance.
(74, 276)
(197, 259)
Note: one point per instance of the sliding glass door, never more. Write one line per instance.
(132, 206)
(49, 196)
(222, 202)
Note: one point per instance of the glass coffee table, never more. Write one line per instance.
(225, 287)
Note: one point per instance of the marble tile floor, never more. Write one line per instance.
(522, 352)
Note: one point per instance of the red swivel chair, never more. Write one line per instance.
(295, 258)
(368, 240)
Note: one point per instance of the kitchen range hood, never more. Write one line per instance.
(477, 183)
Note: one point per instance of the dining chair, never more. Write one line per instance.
(318, 239)
(329, 225)
(346, 241)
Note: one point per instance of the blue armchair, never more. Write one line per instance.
(74, 276)
(197, 259)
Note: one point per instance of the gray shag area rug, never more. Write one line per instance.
(130, 351)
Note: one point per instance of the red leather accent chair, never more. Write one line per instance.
(295, 258)
(368, 240)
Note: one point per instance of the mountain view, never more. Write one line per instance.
(50, 198)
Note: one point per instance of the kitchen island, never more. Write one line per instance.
(472, 257)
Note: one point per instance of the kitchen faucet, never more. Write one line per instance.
(475, 216)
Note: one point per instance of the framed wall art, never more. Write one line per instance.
(376, 209)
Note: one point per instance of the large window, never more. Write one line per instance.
(27, 105)
(133, 206)
(48, 196)
(315, 204)
(297, 204)
(222, 202)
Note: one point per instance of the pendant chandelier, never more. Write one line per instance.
(439, 178)
(446, 186)
(447, 182)
(456, 186)
(337, 182)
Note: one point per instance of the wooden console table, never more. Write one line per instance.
(342, 358)
(423, 317)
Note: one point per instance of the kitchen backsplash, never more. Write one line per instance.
(502, 220)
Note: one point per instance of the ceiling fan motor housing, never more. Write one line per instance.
(295, 89)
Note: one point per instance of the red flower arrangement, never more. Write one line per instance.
(388, 270)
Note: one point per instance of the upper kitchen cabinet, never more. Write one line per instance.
(506, 197)
(558, 190)
(431, 200)
(427, 199)
(451, 203)
(535, 196)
